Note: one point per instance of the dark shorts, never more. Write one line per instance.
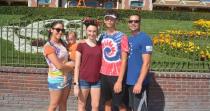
(138, 102)
(107, 85)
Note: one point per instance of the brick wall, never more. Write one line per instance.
(27, 87)
(178, 91)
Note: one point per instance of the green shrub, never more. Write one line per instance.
(38, 13)
(175, 15)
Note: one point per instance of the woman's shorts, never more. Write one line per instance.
(57, 83)
(87, 85)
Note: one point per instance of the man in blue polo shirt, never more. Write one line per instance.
(139, 59)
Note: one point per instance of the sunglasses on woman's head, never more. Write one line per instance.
(58, 30)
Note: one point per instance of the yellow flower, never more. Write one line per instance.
(179, 44)
(205, 24)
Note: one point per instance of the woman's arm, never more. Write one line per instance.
(77, 66)
(76, 73)
(58, 64)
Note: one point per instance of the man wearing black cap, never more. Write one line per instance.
(114, 60)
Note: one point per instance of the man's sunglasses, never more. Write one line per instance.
(58, 30)
(135, 21)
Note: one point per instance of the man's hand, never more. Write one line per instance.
(137, 88)
(117, 87)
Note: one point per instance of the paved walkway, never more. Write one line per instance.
(9, 108)
(40, 105)
(4, 108)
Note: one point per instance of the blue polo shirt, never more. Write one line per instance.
(139, 44)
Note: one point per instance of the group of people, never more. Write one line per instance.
(112, 68)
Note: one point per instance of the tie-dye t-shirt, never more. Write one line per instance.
(112, 46)
(60, 52)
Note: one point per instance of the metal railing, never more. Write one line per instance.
(21, 45)
(21, 42)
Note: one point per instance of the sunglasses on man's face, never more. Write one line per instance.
(58, 30)
(133, 21)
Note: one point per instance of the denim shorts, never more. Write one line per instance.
(87, 85)
(57, 83)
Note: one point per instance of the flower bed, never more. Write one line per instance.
(202, 24)
(189, 44)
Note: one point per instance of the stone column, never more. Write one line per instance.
(126, 4)
(147, 5)
(123, 4)
(54, 3)
(32, 3)
(9, 2)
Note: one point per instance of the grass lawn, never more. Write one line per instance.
(160, 60)
(151, 26)
(5, 19)
(154, 26)
(12, 57)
